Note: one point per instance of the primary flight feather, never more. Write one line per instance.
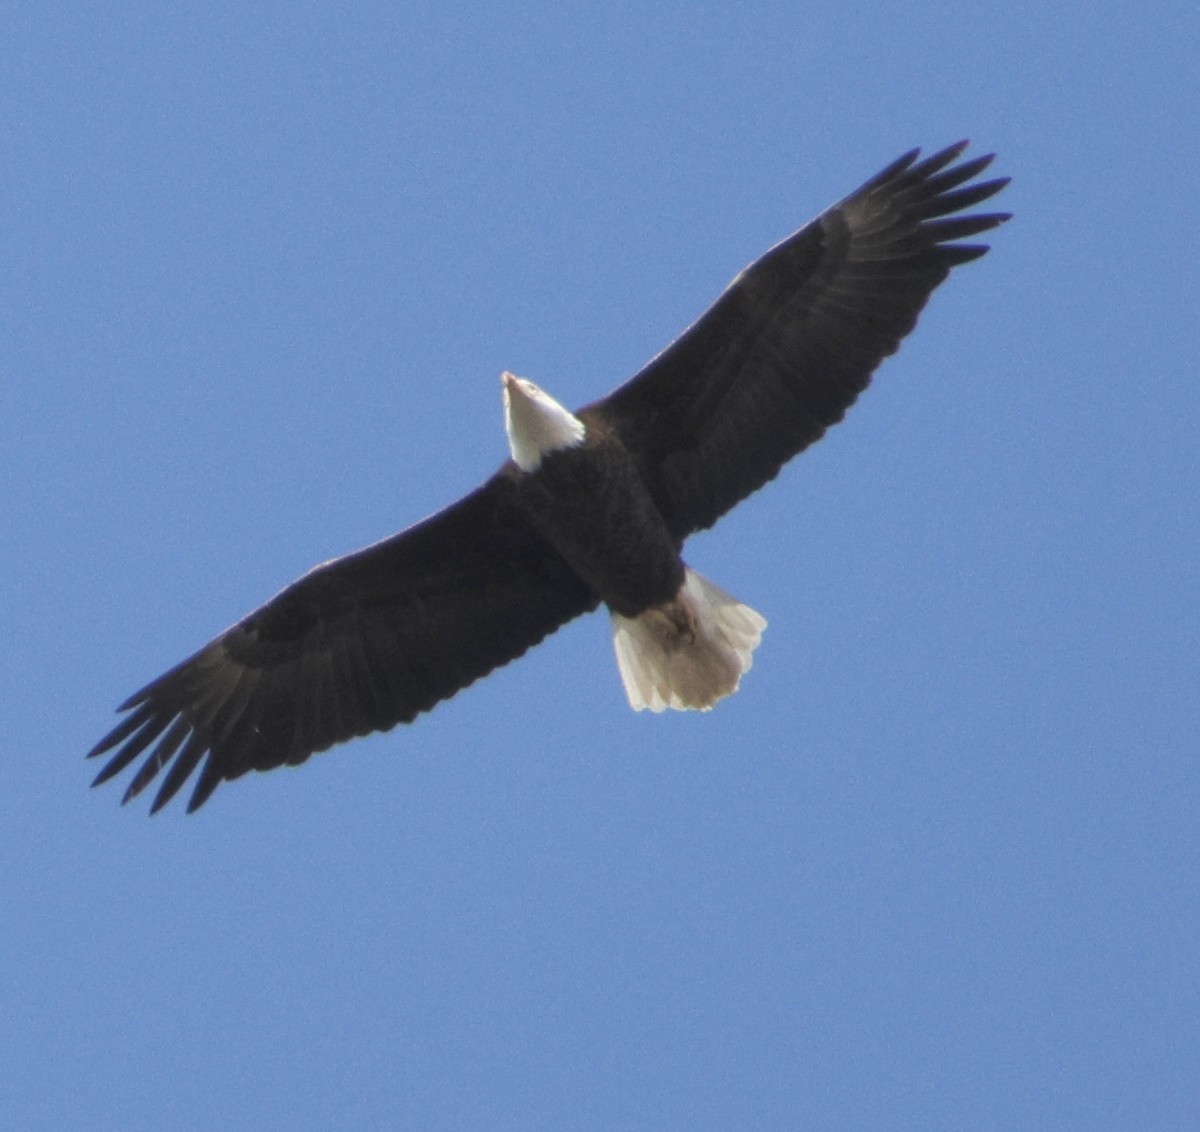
(593, 507)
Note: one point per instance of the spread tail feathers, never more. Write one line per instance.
(690, 652)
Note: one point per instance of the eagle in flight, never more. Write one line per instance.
(593, 507)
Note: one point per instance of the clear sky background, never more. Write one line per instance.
(935, 866)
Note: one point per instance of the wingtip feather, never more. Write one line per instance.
(208, 781)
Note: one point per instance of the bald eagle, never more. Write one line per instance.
(593, 507)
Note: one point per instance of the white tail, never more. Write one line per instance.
(689, 653)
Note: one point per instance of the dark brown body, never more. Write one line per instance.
(590, 504)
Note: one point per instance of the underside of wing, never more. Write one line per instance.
(794, 339)
(356, 645)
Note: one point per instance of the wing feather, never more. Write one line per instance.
(356, 645)
(795, 338)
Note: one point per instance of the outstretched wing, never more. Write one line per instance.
(794, 339)
(356, 645)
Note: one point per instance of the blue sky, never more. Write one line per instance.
(935, 866)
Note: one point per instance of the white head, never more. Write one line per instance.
(536, 423)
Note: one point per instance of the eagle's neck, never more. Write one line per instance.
(536, 423)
